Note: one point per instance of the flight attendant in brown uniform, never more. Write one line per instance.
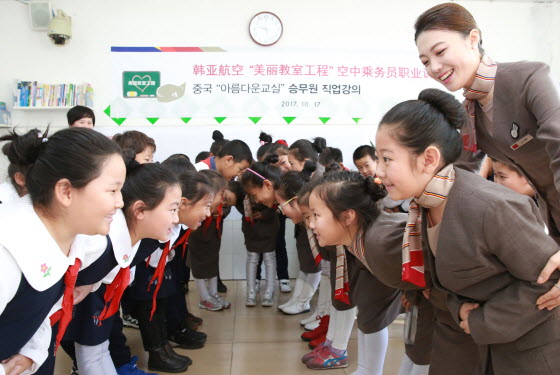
(513, 108)
(483, 244)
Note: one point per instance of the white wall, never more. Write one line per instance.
(511, 31)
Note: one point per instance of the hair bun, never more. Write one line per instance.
(24, 149)
(319, 144)
(333, 167)
(130, 162)
(446, 104)
(217, 136)
(271, 159)
(376, 190)
(265, 138)
(308, 168)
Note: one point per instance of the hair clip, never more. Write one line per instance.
(255, 173)
(377, 180)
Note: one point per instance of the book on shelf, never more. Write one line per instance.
(30, 94)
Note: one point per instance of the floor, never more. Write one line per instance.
(252, 340)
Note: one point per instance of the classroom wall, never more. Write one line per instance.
(512, 30)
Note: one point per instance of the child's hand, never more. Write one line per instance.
(466, 309)
(81, 292)
(16, 364)
(406, 304)
(257, 215)
(551, 299)
(465, 326)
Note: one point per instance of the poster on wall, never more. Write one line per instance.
(192, 82)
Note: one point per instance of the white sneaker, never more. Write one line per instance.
(311, 326)
(310, 318)
(285, 286)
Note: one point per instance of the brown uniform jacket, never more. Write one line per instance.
(491, 249)
(526, 102)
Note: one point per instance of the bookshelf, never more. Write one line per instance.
(37, 96)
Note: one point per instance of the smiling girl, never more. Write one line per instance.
(483, 243)
(346, 213)
(151, 196)
(69, 173)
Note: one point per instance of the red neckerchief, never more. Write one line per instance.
(113, 294)
(64, 315)
(219, 219)
(158, 274)
(209, 219)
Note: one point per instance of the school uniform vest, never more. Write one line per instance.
(24, 314)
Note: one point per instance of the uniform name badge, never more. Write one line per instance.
(521, 142)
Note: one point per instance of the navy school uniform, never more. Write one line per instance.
(32, 279)
(116, 253)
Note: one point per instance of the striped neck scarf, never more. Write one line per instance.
(481, 87)
(314, 246)
(435, 194)
(341, 284)
(357, 248)
(248, 210)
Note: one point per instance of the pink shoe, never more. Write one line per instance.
(326, 359)
(314, 353)
(211, 305)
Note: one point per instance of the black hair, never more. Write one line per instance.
(292, 182)
(217, 180)
(433, 119)
(218, 143)
(178, 165)
(364, 151)
(347, 190)
(76, 154)
(135, 141)
(79, 112)
(264, 168)
(447, 16)
(145, 182)
(195, 186)
(266, 144)
(303, 149)
(329, 155)
(238, 149)
(202, 155)
(183, 156)
(237, 189)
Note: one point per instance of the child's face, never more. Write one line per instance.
(218, 199)
(193, 214)
(230, 169)
(229, 198)
(295, 165)
(328, 230)
(306, 214)
(509, 178)
(283, 163)
(290, 209)
(146, 156)
(159, 222)
(402, 172)
(366, 166)
(262, 194)
(100, 198)
(85, 122)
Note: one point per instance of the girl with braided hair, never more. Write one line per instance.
(346, 214)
